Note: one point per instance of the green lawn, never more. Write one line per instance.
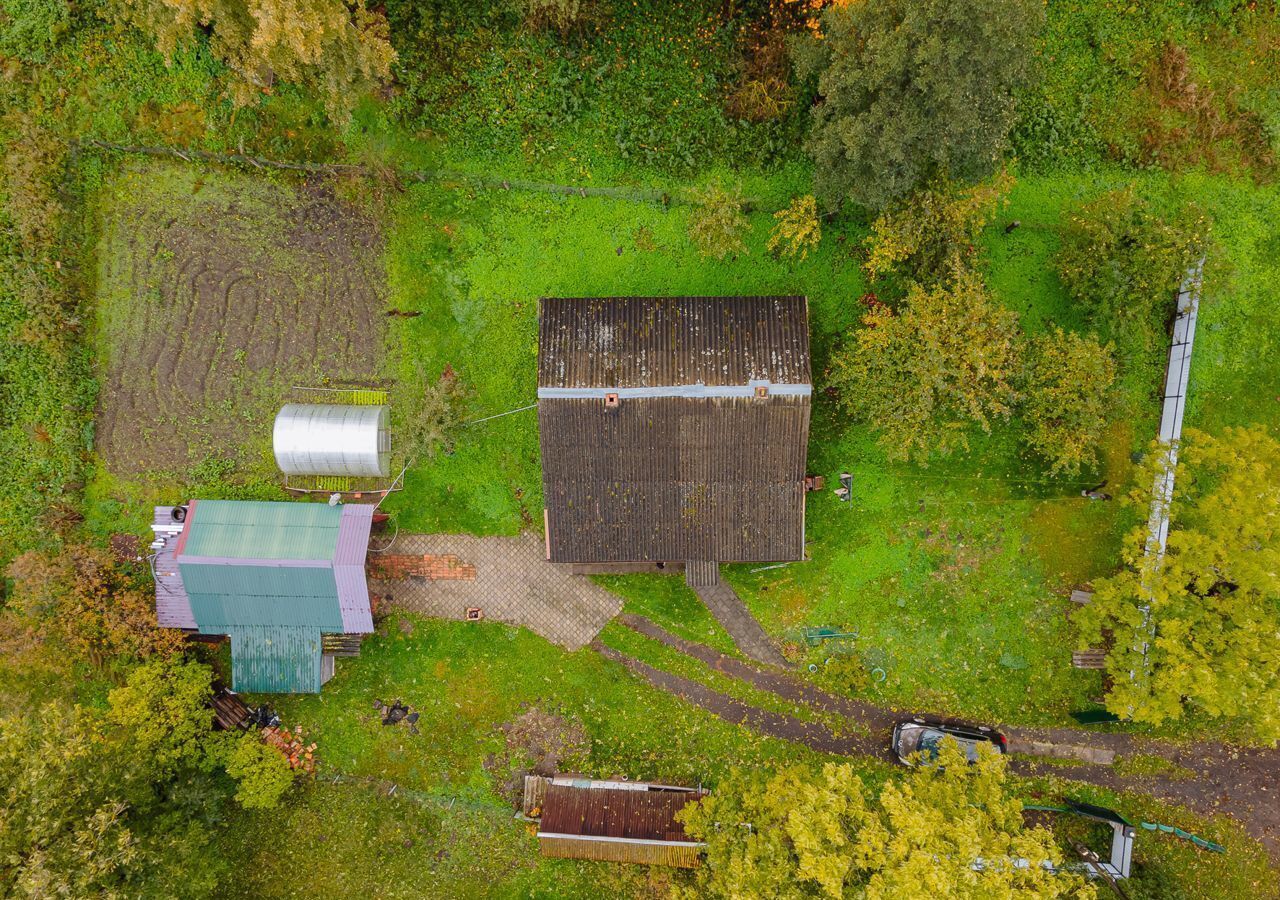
(454, 835)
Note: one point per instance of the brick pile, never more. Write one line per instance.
(433, 567)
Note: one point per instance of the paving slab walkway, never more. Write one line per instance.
(1241, 782)
(513, 583)
(732, 614)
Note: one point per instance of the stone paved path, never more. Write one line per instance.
(1243, 783)
(732, 614)
(514, 584)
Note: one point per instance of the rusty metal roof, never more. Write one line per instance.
(628, 812)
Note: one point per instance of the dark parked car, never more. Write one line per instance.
(921, 736)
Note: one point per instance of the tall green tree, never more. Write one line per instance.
(912, 90)
(1069, 381)
(800, 833)
(923, 375)
(1123, 262)
(337, 48)
(86, 814)
(1213, 632)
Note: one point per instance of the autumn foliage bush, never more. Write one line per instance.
(717, 224)
(80, 602)
(922, 375)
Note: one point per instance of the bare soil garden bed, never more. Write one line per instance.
(218, 294)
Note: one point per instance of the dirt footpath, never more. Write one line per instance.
(217, 294)
(1243, 783)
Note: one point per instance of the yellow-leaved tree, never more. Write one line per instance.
(921, 376)
(946, 830)
(1212, 633)
(337, 48)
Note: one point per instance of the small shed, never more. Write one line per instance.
(273, 577)
(612, 821)
(332, 439)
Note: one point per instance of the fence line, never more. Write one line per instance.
(1175, 404)
(636, 195)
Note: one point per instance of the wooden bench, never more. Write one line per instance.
(1084, 598)
(1089, 659)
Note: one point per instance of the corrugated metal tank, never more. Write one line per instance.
(329, 439)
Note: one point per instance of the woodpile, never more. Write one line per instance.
(289, 743)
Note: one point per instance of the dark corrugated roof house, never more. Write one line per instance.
(274, 577)
(674, 429)
(614, 821)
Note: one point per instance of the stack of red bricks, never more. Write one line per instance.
(289, 745)
(435, 567)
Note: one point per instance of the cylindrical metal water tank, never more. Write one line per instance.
(330, 439)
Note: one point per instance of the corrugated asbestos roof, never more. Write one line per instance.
(647, 815)
(665, 341)
(278, 659)
(674, 477)
(254, 529)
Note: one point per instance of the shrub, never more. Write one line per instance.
(562, 16)
(1124, 263)
(1069, 382)
(79, 600)
(432, 412)
(933, 231)
(32, 28)
(913, 91)
(261, 772)
(717, 225)
(798, 229)
(923, 375)
(32, 162)
(763, 91)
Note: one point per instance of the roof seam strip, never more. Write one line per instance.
(676, 390)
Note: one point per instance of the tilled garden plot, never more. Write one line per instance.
(217, 294)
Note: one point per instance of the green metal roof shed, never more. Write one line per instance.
(275, 659)
(274, 577)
